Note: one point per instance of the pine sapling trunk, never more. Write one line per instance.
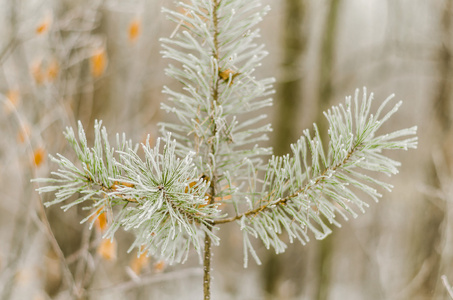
(215, 96)
(207, 268)
(207, 253)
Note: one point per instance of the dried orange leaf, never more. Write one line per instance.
(36, 72)
(52, 70)
(159, 266)
(23, 134)
(107, 249)
(13, 97)
(101, 222)
(39, 156)
(137, 264)
(225, 75)
(43, 26)
(134, 30)
(190, 185)
(98, 62)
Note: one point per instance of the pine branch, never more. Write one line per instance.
(172, 202)
(93, 179)
(168, 195)
(283, 201)
(162, 196)
(216, 58)
(299, 196)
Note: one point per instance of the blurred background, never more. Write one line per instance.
(64, 60)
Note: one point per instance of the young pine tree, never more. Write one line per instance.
(209, 169)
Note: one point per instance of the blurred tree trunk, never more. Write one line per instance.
(289, 97)
(443, 114)
(443, 162)
(290, 88)
(286, 131)
(325, 94)
(442, 101)
(428, 244)
(326, 64)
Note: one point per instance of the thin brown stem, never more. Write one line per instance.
(67, 275)
(41, 213)
(146, 280)
(207, 252)
(8, 49)
(215, 54)
(215, 98)
(207, 268)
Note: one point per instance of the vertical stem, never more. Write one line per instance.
(215, 52)
(207, 252)
(207, 268)
(215, 96)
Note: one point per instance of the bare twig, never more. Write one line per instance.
(67, 275)
(447, 285)
(8, 49)
(132, 284)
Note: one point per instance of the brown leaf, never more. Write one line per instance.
(52, 70)
(101, 221)
(98, 62)
(39, 156)
(225, 75)
(13, 97)
(107, 249)
(138, 263)
(37, 72)
(134, 30)
(44, 25)
(159, 266)
(23, 134)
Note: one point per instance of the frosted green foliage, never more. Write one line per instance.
(163, 200)
(172, 208)
(92, 177)
(173, 195)
(306, 191)
(217, 55)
